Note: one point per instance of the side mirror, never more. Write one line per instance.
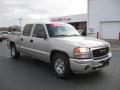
(42, 35)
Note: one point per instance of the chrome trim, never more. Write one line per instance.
(94, 48)
(34, 50)
(109, 55)
(100, 47)
(78, 66)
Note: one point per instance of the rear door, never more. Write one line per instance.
(40, 43)
(25, 39)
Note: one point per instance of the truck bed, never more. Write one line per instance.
(13, 36)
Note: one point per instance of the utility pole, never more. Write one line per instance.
(20, 21)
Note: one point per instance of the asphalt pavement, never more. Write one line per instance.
(27, 73)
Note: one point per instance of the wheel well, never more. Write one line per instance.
(53, 52)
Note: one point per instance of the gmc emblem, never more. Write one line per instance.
(102, 50)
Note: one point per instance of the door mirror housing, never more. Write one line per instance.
(42, 35)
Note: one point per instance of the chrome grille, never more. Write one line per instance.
(100, 52)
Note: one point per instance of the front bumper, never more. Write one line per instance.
(89, 65)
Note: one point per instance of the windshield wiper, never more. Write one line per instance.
(62, 35)
(66, 35)
(74, 35)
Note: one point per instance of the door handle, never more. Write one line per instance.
(31, 41)
(21, 39)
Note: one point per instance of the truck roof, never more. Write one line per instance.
(46, 23)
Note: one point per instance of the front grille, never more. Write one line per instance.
(100, 52)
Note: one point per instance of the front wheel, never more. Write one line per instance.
(14, 52)
(61, 65)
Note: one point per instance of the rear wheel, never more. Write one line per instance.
(61, 65)
(1, 40)
(14, 52)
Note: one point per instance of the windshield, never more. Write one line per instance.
(61, 30)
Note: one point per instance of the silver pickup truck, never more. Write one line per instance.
(62, 46)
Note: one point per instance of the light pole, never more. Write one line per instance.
(20, 20)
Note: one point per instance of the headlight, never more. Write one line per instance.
(82, 53)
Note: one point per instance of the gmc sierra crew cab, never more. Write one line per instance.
(62, 46)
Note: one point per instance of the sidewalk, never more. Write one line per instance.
(115, 45)
(114, 42)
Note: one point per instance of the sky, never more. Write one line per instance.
(38, 10)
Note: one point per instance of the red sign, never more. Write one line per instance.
(60, 19)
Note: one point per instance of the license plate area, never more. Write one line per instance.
(106, 62)
(103, 64)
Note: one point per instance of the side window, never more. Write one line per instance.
(39, 31)
(27, 30)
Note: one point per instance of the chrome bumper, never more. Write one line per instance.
(89, 65)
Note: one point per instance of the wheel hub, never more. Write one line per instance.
(13, 51)
(59, 66)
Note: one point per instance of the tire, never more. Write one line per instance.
(61, 66)
(1, 40)
(14, 52)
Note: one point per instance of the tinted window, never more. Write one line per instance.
(39, 31)
(27, 30)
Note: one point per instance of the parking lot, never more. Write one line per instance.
(30, 74)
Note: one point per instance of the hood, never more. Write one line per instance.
(81, 41)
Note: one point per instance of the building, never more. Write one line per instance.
(14, 28)
(78, 21)
(3, 29)
(104, 18)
